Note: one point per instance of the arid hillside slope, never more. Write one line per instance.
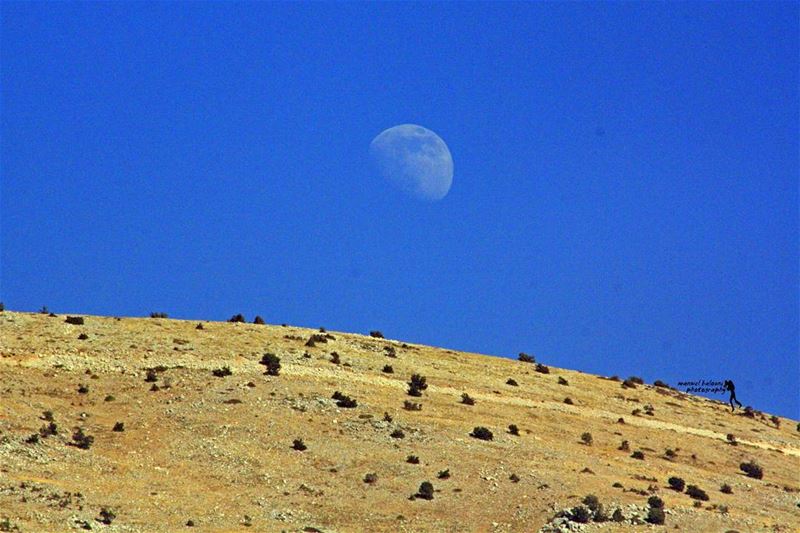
(201, 449)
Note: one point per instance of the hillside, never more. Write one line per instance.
(218, 450)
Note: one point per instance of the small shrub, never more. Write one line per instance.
(443, 474)
(74, 320)
(371, 478)
(726, 489)
(416, 385)
(222, 372)
(2, 307)
(314, 339)
(387, 369)
(775, 420)
(106, 516)
(397, 434)
(655, 515)
(258, 320)
(159, 315)
(387, 417)
(525, 358)
(408, 405)
(542, 369)
(335, 358)
(83, 337)
(620, 420)
(83, 389)
(636, 412)
(580, 514)
(199, 326)
(152, 375)
(299, 445)
(81, 440)
(466, 399)
(237, 318)
(512, 382)
(655, 501)
(587, 439)
(375, 334)
(695, 492)
(628, 384)
(343, 401)
(617, 485)
(513, 429)
(390, 351)
(413, 459)
(568, 401)
(155, 388)
(562, 381)
(731, 439)
(638, 454)
(636, 379)
(752, 469)
(617, 516)
(514, 478)
(32, 439)
(670, 454)
(48, 429)
(119, 427)
(625, 447)
(659, 383)
(676, 483)
(425, 491)
(482, 433)
(272, 363)
(47, 416)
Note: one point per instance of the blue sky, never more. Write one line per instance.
(625, 196)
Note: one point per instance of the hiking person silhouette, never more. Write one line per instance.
(729, 386)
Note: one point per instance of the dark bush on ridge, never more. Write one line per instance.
(75, 320)
(258, 320)
(159, 315)
(482, 433)
(272, 363)
(376, 334)
(628, 384)
(525, 358)
(696, 493)
(237, 318)
(636, 379)
(659, 383)
(542, 369)
(752, 469)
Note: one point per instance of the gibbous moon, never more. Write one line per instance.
(415, 160)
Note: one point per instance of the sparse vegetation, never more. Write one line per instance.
(659, 383)
(525, 358)
(580, 514)
(676, 483)
(387, 369)
(48, 430)
(443, 474)
(198, 326)
(416, 385)
(512, 382)
(562, 381)
(83, 389)
(569, 401)
(726, 489)
(397, 434)
(335, 358)
(119, 427)
(775, 420)
(670, 454)
(482, 433)
(371, 478)
(272, 363)
(752, 469)
(315, 338)
(542, 369)
(466, 399)
(587, 439)
(695, 492)
(151, 376)
(513, 429)
(222, 372)
(82, 440)
(106, 516)
(638, 454)
(408, 405)
(617, 516)
(625, 446)
(299, 445)
(343, 401)
(620, 420)
(412, 459)
(655, 501)
(425, 491)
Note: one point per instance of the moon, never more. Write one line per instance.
(415, 160)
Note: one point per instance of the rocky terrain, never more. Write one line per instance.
(152, 424)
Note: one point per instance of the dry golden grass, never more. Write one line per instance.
(218, 450)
